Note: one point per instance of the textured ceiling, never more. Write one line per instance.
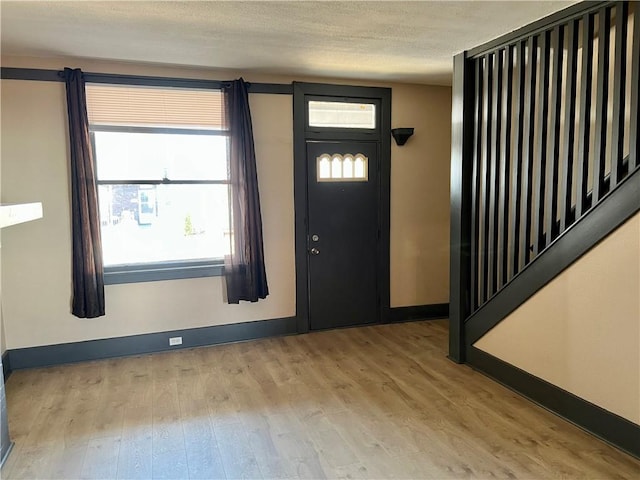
(393, 41)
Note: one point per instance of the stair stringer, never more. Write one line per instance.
(611, 212)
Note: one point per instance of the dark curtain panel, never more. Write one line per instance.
(88, 281)
(245, 274)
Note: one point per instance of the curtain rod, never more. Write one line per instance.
(35, 74)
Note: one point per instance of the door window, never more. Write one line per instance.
(342, 168)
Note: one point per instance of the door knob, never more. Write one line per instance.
(315, 251)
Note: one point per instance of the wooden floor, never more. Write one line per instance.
(375, 402)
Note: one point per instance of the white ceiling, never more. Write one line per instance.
(393, 41)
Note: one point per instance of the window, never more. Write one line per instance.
(342, 115)
(163, 185)
(342, 168)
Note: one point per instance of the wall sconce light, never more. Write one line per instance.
(401, 135)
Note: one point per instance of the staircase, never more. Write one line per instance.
(545, 164)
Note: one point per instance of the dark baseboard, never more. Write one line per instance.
(605, 425)
(6, 365)
(419, 312)
(48, 355)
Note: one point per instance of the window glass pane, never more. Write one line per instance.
(347, 167)
(154, 156)
(339, 168)
(163, 223)
(342, 115)
(324, 167)
(336, 168)
(360, 166)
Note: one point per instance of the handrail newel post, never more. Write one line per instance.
(461, 178)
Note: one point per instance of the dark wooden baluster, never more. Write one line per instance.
(566, 160)
(484, 180)
(620, 72)
(602, 91)
(496, 126)
(518, 160)
(540, 165)
(553, 145)
(528, 151)
(584, 125)
(634, 124)
(475, 182)
(505, 167)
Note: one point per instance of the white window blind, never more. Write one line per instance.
(155, 107)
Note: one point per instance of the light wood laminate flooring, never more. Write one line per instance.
(371, 402)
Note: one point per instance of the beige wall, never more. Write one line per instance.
(420, 197)
(36, 256)
(3, 344)
(581, 332)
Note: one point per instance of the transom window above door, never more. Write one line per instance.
(342, 115)
(342, 168)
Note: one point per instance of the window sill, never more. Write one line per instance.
(154, 272)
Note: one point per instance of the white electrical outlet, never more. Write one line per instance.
(175, 341)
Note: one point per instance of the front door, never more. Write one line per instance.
(342, 233)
